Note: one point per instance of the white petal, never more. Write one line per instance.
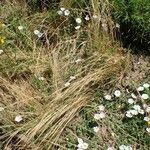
(85, 145)
(146, 119)
(111, 148)
(87, 17)
(148, 109)
(133, 95)
(146, 85)
(96, 129)
(18, 118)
(117, 93)
(1, 51)
(80, 141)
(107, 97)
(144, 96)
(20, 27)
(137, 107)
(102, 115)
(101, 108)
(148, 130)
(141, 111)
(78, 20)
(77, 27)
(141, 88)
(97, 116)
(41, 78)
(59, 12)
(62, 9)
(66, 12)
(36, 32)
(131, 101)
(67, 84)
(134, 112)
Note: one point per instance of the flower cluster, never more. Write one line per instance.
(82, 145)
(63, 11)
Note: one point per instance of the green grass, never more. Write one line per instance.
(54, 116)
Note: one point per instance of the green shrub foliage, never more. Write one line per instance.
(134, 19)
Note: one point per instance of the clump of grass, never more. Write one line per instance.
(35, 72)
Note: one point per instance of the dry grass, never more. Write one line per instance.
(46, 114)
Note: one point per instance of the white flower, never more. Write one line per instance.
(144, 96)
(141, 111)
(95, 16)
(111, 148)
(96, 129)
(124, 147)
(117, 25)
(141, 88)
(117, 93)
(131, 101)
(40, 35)
(36, 32)
(107, 97)
(1, 51)
(62, 9)
(102, 115)
(18, 118)
(1, 108)
(97, 116)
(59, 12)
(134, 112)
(148, 109)
(101, 108)
(81, 144)
(137, 107)
(78, 60)
(20, 27)
(78, 20)
(129, 115)
(41, 78)
(72, 78)
(133, 95)
(66, 12)
(87, 18)
(146, 119)
(77, 27)
(148, 130)
(67, 84)
(146, 85)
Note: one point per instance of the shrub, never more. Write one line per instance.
(134, 19)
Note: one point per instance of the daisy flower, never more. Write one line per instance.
(67, 84)
(82, 145)
(146, 85)
(87, 18)
(20, 28)
(59, 12)
(18, 118)
(110, 148)
(66, 12)
(147, 109)
(148, 130)
(1, 51)
(107, 97)
(137, 107)
(117, 93)
(144, 96)
(146, 119)
(77, 27)
(140, 89)
(133, 95)
(128, 114)
(96, 129)
(78, 20)
(101, 108)
(131, 101)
